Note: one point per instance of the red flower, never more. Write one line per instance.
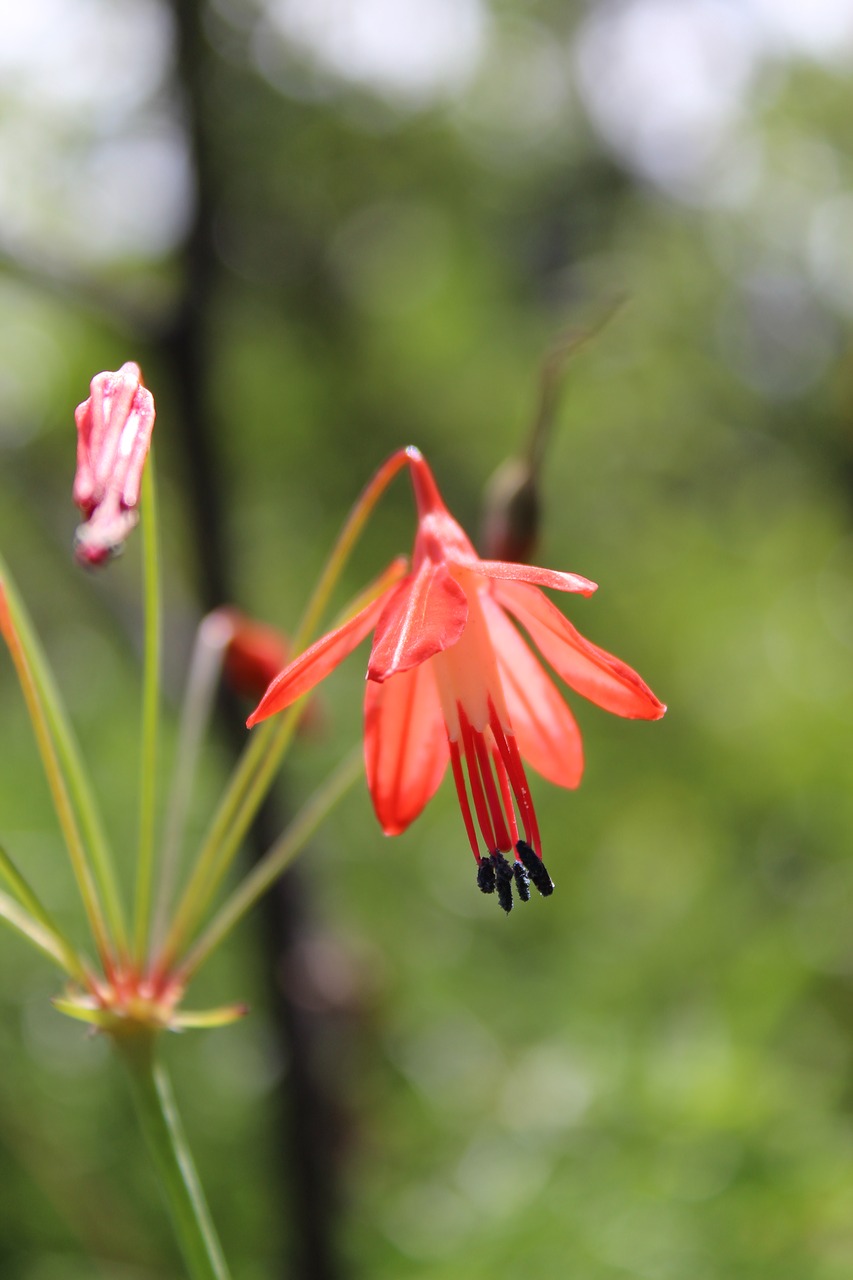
(450, 678)
(113, 437)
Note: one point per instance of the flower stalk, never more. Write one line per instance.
(160, 1123)
(75, 845)
(276, 860)
(29, 900)
(152, 664)
(264, 752)
(70, 759)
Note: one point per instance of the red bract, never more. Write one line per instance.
(254, 653)
(113, 437)
(451, 679)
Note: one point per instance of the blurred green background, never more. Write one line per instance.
(329, 228)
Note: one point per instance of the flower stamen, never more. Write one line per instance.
(503, 880)
(522, 881)
(508, 749)
(477, 793)
(506, 791)
(485, 876)
(462, 793)
(496, 803)
(535, 868)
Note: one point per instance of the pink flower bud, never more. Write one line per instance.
(113, 437)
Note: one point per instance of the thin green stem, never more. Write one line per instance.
(343, 548)
(275, 861)
(68, 752)
(212, 636)
(56, 781)
(552, 376)
(14, 915)
(241, 780)
(263, 753)
(71, 960)
(255, 792)
(164, 1134)
(150, 712)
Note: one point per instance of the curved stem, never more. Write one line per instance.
(164, 1134)
(56, 780)
(211, 640)
(71, 961)
(262, 755)
(275, 861)
(240, 783)
(14, 915)
(342, 549)
(69, 756)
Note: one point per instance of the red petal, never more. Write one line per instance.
(591, 671)
(506, 571)
(425, 615)
(405, 746)
(546, 731)
(316, 662)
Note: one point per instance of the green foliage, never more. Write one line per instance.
(647, 1075)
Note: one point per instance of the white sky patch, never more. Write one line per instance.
(669, 83)
(94, 163)
(820, 29)
(665, 82)
(408, 50)
(84, 55)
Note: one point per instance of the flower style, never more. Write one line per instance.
(451, 679)
(113, 437)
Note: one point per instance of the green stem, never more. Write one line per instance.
(254, 793)
(241, 780)
(275, 861)
(56, 780)
(263, 753)
(164, 1134)
(552, 377)
(343, 548)
(212, 637)
(28, 899)
(23, 923)
(70, 759)
(150, 712)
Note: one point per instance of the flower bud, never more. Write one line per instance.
(113, 437)
(511, 516)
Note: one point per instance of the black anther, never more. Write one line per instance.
(535, 868)
(503, 880)
(522, 881)
(486, 876)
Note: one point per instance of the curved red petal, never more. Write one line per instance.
(316, 662)
(591, 671)
(425, 615)
(505, 570)
(547, 734)
(405, 746)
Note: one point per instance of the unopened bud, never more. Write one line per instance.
(511, 513)
(113, 438)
